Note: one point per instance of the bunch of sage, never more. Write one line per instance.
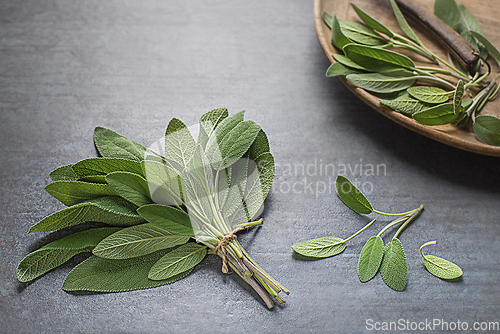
(206, 190)
(455, 96)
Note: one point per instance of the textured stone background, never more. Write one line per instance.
(68, 66)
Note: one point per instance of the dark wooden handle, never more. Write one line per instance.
(459, 47)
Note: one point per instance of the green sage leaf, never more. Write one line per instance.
(168, 218)
(440, 267)
(213, 151)
(382, 83)
(113, 145)
(208, 122)
(360, 33)
(376, 59)
(447, 10)
(487, 128)
(58, 252)
(179, 145)
(320, 247)
(463, 121)
(371, 22)
(393, 268)
(352, 196)
(458, 96)
(103, 166)
(348, 62)
(64, 173)
(467, 24)
(163, 183)
(370, 258)
(259, 146)
(74, 192)
(337, 69)
(112, 210)
(136, 241)
(104, 275)
(403, 24)
(339, 40)
(437, 115)
(429, 94)
(178, 261)
(405, 104)
(490, 47)
(133, 187)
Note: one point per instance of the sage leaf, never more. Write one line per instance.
(259, 146)
(348, 62)
(215, 140)
(405, 104)
(209, 122)
(112, 210)
(320, 247)
(235, 144)
(327, 18)
(458, 96)
(339, 40)
(337, 69)
(163, 183)
(490, 47)
(64, 173)
(403, 24)
(74, 192)
(437, 115)
(352, 196)
(447, 10)
(177, 261)
(113, 145)
(382, 83)
(463, 121)
(487, 128)
(136, 241)
(371, 22)
(429, 94)
(102, 166)
(94, 179)
(179, 145)
(360, 33)
(439, 267)
(168, 218)
(265, 166)
(370, 258)
(133, 187)
(376, 59)
(58, 252)
(104, 275)
(467, 24)
(393, 268)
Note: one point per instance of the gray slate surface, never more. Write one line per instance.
(68, 66)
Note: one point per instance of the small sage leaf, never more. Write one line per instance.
(320, 247)
(337, 69)
(64, 173)
(370, 258)
(490, 47)
(437, 115)
(389, 82)
(58, 252)
(177, 261)
(403, 24)
(348, 62)
(371, 22)
(104, 275)
(468, 23)
(360, 33)
(458, 96)
(463, 121)
(179, 144)
(339, 40)
(376, 59)
(429, 94)
(440, 267)
(352, 196)
(405, 104)
(393, 268)
(208, 122)
(487, 128)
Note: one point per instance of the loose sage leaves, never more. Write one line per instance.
(369, 60)
(169, 211)
(440, 267)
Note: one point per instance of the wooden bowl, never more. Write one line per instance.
(487, 12)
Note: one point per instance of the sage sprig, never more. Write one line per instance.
(205, 190)
(369, 61)
(440, 267)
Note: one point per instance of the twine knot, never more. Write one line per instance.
(221, 246)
